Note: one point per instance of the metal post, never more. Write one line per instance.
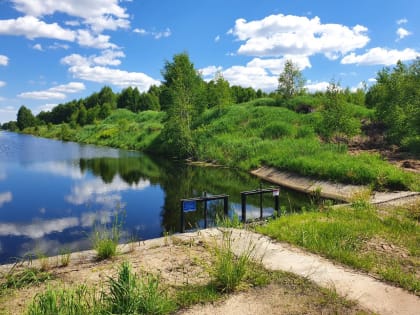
(182, 218)
(261, 202)
(205, 209)
(225, 205)
(243, 203)
(276, 204)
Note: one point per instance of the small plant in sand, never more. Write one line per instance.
(131, 294)
(229, 270)
(105, 239)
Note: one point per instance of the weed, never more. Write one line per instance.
(65, 257)
(225, 221)
(129, 294)
(229, 270)
(18, 279)
(105, 239)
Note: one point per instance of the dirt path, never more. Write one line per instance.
(370, 293)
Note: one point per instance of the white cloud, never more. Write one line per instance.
(315, 87)
(99, 14)
(279, 35)
(209, 72)
(7, 113)
(255, 77)
(402, 32)
(217, 38)
(87, 39)
(37, 47)
(109, 58)
(157, 35)
(57, 92)
(87, 69)
(381, 56)
(58, 168)
(402, 21)
(4, 60)
(258, 73)
(2, 83)
(38, 228)
(5, 197)
(31, 27)
(96, 191)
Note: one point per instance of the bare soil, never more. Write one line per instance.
(179, 261)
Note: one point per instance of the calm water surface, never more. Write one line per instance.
(53, 194)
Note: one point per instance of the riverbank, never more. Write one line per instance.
(179, 261)
(329, 190)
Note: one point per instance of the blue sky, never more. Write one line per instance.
(54, 51)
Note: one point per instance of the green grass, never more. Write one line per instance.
(22, 278)
(346, 235)
(105, 239)
(260, 132)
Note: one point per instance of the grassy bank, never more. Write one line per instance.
(247, 136)
(382, 241)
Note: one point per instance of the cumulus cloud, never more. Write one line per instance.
(98, 14)
(87, 39)
(57, 92)
(4, 60)
(90, 69)
(258, 73)
(381, 56)
(318, 86)
(402, 33)
(2, 83)
(31, 27)
(402, 21)
(279, 35)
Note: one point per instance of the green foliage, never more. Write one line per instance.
(56, 301)
(228, 270)
(130, 294)
(277, 130)
(25, 118)
(14, 279)
(343, 233)
(105, 239)
(291, 81)
(396, 99)
(184, 90)
(337, 117)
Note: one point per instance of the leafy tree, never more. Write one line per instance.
(25, 118)
(219, 93)
(336, 114)
(183, 90)
(149, 101)
(242, 95)
(107, 96)
(291, 81)
(396, 99)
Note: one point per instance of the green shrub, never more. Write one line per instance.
(105, 239)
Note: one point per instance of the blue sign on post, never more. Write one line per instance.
(189, 205)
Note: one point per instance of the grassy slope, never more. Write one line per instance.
(247, 136)
(383, 241)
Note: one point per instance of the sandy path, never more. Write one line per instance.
(370, 293)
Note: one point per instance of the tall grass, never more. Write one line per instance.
(344, 235)
(105, 239)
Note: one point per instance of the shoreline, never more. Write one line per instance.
(337, 191)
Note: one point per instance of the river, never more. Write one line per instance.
(53, 195)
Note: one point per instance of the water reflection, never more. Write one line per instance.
(52, 198)
(5, 197)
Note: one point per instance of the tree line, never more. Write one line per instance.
(184, 95)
